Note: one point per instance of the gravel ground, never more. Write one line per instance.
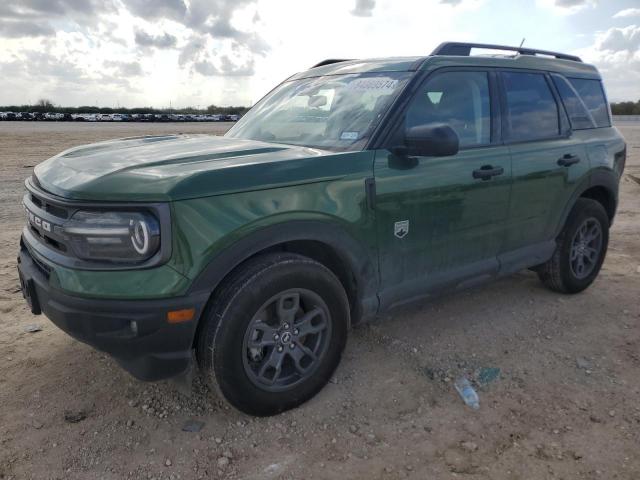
(559, 377)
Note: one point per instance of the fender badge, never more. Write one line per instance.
(400, 229)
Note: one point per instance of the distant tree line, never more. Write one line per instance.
(45, 105)
(626, 108)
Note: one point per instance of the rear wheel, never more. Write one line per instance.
(274, 334)
(580, 250)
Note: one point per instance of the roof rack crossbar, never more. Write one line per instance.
(463, 49)
(329, 61)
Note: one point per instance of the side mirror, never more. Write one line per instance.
(431, 140)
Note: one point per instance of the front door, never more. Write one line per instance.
(441, 220)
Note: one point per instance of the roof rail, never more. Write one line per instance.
(329, 61)
(463, 49)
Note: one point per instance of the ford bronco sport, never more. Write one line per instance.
(350, 188)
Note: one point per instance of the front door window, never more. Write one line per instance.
(458, 99)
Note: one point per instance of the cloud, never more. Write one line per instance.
(461, 3)
(629, 12)
(214, 18)
(222, 36)
(231, 69)
(227, 68)
(223, 29)
(192, 50)
(154, 9)
(61, 78)
(125, 69)
(567, 7)
(364, 8)
(205, 68)
(572, 3)
(211, 25)
(205, 60)
(207, 17)
(46, 67)
(145, 39)
(18, 29)
(32, 18)
(616, 53)
(620, 39)
(38, 8)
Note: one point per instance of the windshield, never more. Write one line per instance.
(336, 112)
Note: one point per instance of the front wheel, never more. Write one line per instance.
(274, 334)
(580, 250)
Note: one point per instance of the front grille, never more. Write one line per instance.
(45, 218)
(47, 206)
(48, 240)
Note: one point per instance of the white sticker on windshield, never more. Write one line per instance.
(373, 84)
(349, 136)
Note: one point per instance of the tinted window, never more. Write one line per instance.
(593, 97)
(532, 110)
(578, 114)
(459, 99)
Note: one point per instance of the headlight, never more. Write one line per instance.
(125, 237)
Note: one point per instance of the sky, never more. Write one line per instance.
(180, 53)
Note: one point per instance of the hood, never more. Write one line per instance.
(175, 167)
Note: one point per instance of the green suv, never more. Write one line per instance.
(351, 188)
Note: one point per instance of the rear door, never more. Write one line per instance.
(440, 220)
(547, 162)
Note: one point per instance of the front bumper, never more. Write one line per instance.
(134, 332)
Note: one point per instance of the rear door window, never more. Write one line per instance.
(593, 97)
(532, 111)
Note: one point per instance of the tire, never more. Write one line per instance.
(246, 352)
(562, 273)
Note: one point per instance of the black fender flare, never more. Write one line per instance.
(350, 251)
(604, 178)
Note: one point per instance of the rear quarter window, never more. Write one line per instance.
(592, 95)
(579, 115)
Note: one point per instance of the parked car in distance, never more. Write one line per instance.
(351, 188)
(116, 117)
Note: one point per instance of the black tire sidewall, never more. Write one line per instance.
(249, 294)
(584, 209)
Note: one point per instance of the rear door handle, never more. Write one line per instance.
(568, 160)
(487, 171)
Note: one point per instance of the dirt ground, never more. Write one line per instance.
(564, 403)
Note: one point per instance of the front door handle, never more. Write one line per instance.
(487, 171)
(568, 160)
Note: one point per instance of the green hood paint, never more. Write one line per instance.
(177, 167)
